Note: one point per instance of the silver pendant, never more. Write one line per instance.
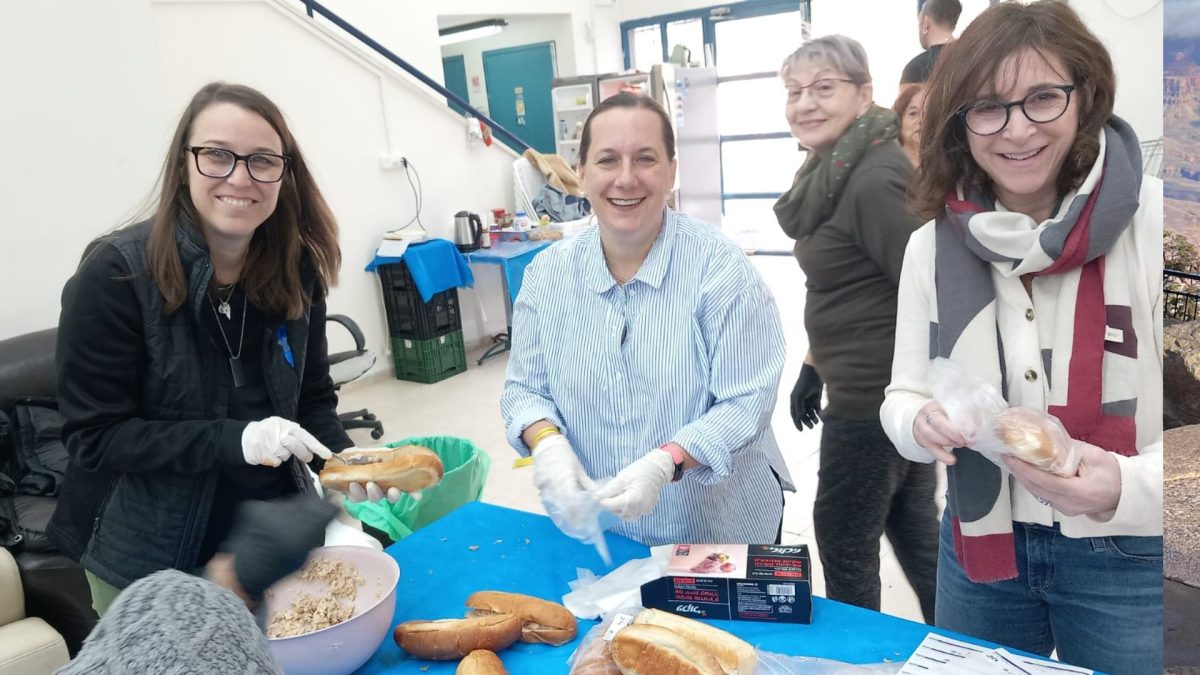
(224, 309)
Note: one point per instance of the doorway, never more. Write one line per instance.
(518, 92)
(454, 74)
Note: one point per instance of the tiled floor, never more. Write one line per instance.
(466, 405)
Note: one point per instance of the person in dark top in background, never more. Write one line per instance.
(935, 27)
(193, 371)
(846, 210)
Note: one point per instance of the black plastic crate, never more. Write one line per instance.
(410, 318)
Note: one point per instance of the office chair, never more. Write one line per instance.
(349, 366)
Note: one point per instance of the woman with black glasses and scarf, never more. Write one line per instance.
(1041, 274)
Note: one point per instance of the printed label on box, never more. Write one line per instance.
(735, 581)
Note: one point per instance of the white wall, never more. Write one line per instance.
(84, 127)
(95, 116)
(521, 30)
(1132, 31)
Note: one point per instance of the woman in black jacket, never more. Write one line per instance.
(193, 371)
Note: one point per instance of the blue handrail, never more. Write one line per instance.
(503, 134)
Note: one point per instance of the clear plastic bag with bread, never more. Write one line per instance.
(635, 640)
(993, 429)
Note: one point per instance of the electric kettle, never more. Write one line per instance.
(468, 228)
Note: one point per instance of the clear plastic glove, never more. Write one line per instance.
(557, 472)
(370, 491)
(272, 441)
(635, 490)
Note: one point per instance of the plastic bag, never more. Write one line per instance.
(465, 470)
(583, 518)
(1032, 435)
(969, 403)
(592, 656)
(591, 597)
(993, 429)
(770, 663)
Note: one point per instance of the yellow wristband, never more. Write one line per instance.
(542, 434)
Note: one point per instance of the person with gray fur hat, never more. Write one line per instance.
(173, 622)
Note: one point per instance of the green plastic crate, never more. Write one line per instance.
(429, 361)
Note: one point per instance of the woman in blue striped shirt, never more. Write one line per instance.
(648, 349)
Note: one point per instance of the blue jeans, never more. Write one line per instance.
(1097, 600)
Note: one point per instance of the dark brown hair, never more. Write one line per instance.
(969, 65)
(301, 222)
(627, 99)
(902, 102)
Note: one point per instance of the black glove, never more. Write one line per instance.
(270, 540)
(806, 398)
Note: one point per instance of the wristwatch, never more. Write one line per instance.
(677, 457)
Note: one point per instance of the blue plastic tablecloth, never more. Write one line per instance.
(513, 257)
(485, 547)
(435, 264)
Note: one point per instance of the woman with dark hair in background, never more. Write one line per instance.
(846, 210)
(909, 107)
(192, 361)
(648, 349)
(1040, 273)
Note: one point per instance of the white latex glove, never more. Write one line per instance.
(371, 492)
(272, 441)
(557, 472)
(635, 490)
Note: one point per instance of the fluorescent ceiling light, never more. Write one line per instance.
(470, 31)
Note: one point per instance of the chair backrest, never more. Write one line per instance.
(527, 182)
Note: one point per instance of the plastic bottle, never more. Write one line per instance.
(521, 222)
(562, 130)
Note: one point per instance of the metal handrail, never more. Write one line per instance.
(1181, 295)
(500, 132)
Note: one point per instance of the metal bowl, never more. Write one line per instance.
(343, 648)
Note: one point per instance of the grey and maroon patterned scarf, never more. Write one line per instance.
(1090, 381)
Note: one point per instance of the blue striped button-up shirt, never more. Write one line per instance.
(690, 350)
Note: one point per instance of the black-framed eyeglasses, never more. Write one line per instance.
(1044, 105)
(264, 167)
(822, 89)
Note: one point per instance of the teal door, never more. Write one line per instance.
(518, 88)
(454, 74)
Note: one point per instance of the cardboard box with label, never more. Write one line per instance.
(735, 581)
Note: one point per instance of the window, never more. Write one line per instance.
(746, 42)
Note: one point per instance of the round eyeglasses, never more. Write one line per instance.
(1044, 105)
(264, 167)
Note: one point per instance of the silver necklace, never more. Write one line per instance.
(235, 366)
(223, 303)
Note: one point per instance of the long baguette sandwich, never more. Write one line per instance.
(449, 639)
(409, 468)
(543, 621)
(735, 655)
(643, 649)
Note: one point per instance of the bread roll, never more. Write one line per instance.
(643, 649)
(544, 621)
(1028, 433)
(450, 639)
(481, 662)
(409, 468)
(734, 654)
